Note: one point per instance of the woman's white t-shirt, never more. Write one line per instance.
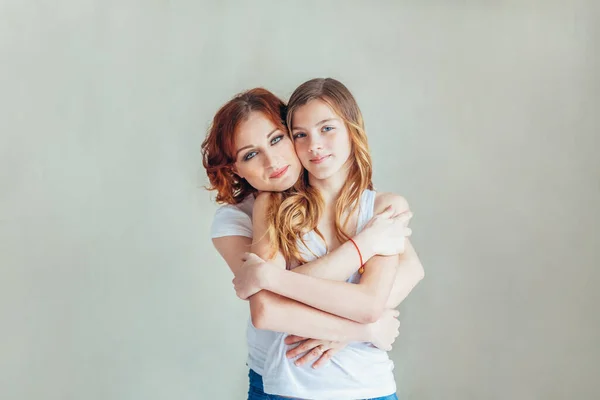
(236, 220)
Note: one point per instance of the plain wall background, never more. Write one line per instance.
(484, 115)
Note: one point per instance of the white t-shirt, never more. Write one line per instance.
(359, 370)
(236, 220)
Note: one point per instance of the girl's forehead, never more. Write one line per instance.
(313, 111)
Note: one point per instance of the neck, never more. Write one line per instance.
(331, 187)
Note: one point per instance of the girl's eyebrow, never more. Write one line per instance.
(318, 123)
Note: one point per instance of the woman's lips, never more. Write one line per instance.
(279, 172)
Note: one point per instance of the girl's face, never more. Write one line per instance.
(265, 155)
(321, 139)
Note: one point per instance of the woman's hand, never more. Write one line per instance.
(383, 333)
(385, 233)
(251, 276)
(311, 349)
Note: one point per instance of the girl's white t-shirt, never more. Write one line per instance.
(358, 371)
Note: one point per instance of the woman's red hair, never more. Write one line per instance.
(218, 149)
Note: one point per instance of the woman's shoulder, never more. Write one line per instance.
(244, 207)
(232, 220)
(385, 199)
(233, 217)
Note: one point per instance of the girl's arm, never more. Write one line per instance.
(272, 312)
(382, 235)
(363, 302)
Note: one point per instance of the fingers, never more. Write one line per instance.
(393, 312)
(239, 290)
(303, 348)
(247, 256)
(292, 339)
(403, 216)
(387, 213)
(254, 257)
(311, 355)
(324, 359)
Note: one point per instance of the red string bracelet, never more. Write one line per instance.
(362, 268)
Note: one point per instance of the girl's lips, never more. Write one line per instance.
(279, 173)
(319, 160)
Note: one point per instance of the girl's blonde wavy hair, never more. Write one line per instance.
(294, 213)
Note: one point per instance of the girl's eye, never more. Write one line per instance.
(299, 135)
(250, 155)
(327, 128)
(276, 140)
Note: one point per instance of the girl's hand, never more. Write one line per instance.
(385, 233)
(251, 276)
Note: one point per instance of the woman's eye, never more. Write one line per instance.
(299, 135)
(327, 128)
(250, 155)
(276, 140)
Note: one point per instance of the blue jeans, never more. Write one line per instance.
(389, 397)
(256, 392)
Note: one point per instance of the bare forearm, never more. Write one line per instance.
(406, 280)
(409, 273)
(276, 313)
(359, 303)
(341, 263)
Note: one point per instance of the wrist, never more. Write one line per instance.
(365, 245)
(370, 330)
(267, 278)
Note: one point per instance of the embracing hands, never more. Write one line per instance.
(252, 276)
(311, 349)
(382, 334)
(386, 232)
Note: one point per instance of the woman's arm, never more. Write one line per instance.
(409, 272)
(363, 302)
(272, 312)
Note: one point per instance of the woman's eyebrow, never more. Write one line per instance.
(251, 145)
(243, 148)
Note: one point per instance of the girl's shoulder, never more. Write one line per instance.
(385, 199)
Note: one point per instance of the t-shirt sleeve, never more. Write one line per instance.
(231, 221)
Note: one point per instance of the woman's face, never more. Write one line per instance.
(265, 155)
(321, 139)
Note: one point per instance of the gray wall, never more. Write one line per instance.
(484, 115)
